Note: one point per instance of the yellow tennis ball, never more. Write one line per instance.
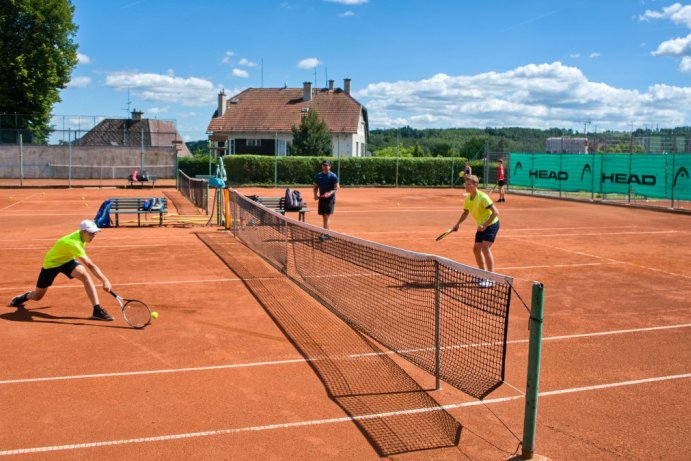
(154, 315)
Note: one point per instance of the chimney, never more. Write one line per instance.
(346, 85)
(137, 114)
(331, 85)
(221, 104)
(307, 91)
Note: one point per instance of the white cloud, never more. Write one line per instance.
(167, 88)
(347, 14)
(240, 73)
(594, 54)
(247, 63)
(157, 110)
(83, 58)
(685, 65)
(575, 55)
(348, 2)
(675, 47)
(677, 13)
(309, 63)
(79, 82)
(227, 57)
(534, 95)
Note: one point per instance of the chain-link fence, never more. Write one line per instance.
(87, 148)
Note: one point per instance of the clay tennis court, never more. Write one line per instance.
(242, 364)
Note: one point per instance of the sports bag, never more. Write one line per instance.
(293, 200)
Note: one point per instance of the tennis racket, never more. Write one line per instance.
(447, 232)
(135, 312)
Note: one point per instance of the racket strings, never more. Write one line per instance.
(137, 314)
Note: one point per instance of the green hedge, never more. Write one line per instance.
(352, 171)
(195, 165)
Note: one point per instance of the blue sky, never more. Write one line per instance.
(428, 64)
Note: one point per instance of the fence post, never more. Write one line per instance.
(673, 172)
(534, 352)
(69, 158)
(21, 160)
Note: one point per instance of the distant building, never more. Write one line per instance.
(665, 144)
(135, 132)
(259, 120)
(566, 145)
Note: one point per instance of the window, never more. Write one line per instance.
(254, 142)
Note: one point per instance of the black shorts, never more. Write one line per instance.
(326, 205)
(46, 277)
(487, 235)
(500, 182)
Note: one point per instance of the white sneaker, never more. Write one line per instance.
(486, 283)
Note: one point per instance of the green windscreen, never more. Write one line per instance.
(664, 176)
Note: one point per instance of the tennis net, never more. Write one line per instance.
(430, 310)
(196, 190)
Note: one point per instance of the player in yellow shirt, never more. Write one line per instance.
(480, 206)
(68, 256)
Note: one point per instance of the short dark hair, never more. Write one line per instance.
(326, 162)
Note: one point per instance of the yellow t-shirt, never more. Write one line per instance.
(65, 249)
(479, 208)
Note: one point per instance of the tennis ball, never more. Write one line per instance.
(154, 315)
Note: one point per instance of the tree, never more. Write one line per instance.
(312, 137)
(37, 55)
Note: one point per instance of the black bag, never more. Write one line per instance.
(293, 200)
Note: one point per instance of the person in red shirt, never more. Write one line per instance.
(500, 181)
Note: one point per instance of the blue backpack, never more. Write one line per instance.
(102, 218)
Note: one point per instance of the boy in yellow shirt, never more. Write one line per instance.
(68, 256)
(480, 206)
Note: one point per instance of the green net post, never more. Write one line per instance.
(534, 352)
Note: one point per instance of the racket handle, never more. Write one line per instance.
(114, 294)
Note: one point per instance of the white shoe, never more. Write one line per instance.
(486, 283)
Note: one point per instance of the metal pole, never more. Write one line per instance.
(69, 158)
(673, 170)
(141, 153)
(275, 159)
(534, 352)
(397, 153)
(21, 161)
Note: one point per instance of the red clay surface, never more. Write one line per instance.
(216, 376)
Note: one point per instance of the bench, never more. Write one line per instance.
(278, 204)
(137, 206)
(141, 182)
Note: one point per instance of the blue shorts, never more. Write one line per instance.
(487, 235)
(46, 277)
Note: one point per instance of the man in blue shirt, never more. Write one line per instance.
(325, 187)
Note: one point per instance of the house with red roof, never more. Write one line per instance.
(137, 132)
(259, 120)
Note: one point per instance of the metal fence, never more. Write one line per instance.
(87, 148)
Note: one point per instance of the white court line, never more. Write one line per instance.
(19, 201)
(101, 247)
(556, 265)
(80, 286)
(320, 422)
(303, 360)
(608, 259)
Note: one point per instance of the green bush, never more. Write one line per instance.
(352, 171)
(192, 166)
